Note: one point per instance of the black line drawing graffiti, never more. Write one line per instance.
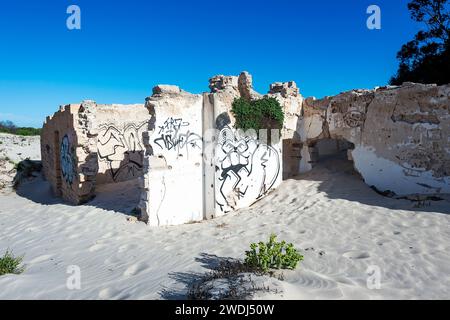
(67, 160)
(122, 149)
(354, 118)
(245, 169)
(171, 136)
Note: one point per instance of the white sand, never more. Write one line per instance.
(14, 149)
(340, 225)
(18, 148)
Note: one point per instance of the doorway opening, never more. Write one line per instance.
(291, 157)
(333, 154)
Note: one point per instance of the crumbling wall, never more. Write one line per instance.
(400, 135)
(290, 99)
(172, 186)
(247, 168)
(405, 146)
(87, 144)
(196, 165)
(120, 147)
(59, 144)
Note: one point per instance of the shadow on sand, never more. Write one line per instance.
(121, 197)
(339, 180)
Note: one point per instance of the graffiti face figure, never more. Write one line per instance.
(67, 161)
(235, 153)
(247, 169)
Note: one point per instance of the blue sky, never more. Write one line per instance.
(124, 48)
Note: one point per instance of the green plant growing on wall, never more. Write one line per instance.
(272, 255)
(265, 113)
(10, 264)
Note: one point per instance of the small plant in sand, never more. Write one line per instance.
(10, 264)
(272, 255)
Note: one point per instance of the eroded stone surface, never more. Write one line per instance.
(397, 137)
(400, 135)
(87, 144)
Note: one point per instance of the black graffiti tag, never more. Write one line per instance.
(122, 149)
(171, 136)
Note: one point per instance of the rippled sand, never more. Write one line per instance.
(341, 226)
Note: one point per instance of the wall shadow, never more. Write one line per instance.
(38, 190)
(339, 180)
(122, 197)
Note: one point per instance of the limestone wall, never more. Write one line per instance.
(246, 168)
(198, 165)
(120, 146)
(400, 134)
(58, 149)
(172, 187)
(86, 144)
(194, 164)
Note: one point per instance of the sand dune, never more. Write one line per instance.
(14, 149)
(340, 225)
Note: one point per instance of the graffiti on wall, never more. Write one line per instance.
(122, 150)
(67, 156)
(174, 134)
(246, 169)
(354, 118)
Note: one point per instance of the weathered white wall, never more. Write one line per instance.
(400, 135)
(173, 181)
(405, 145)
(197, 166)
(247, 169)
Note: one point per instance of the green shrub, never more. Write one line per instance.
(28, 132)
(10, 264)
(265, 113)
(272, 255)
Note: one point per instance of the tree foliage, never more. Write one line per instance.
(426, 58)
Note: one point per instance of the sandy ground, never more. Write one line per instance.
(14, 149)
(340, 225)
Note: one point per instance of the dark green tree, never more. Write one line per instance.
(426, 58)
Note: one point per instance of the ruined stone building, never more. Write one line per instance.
(83, 145)
(193, 164)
